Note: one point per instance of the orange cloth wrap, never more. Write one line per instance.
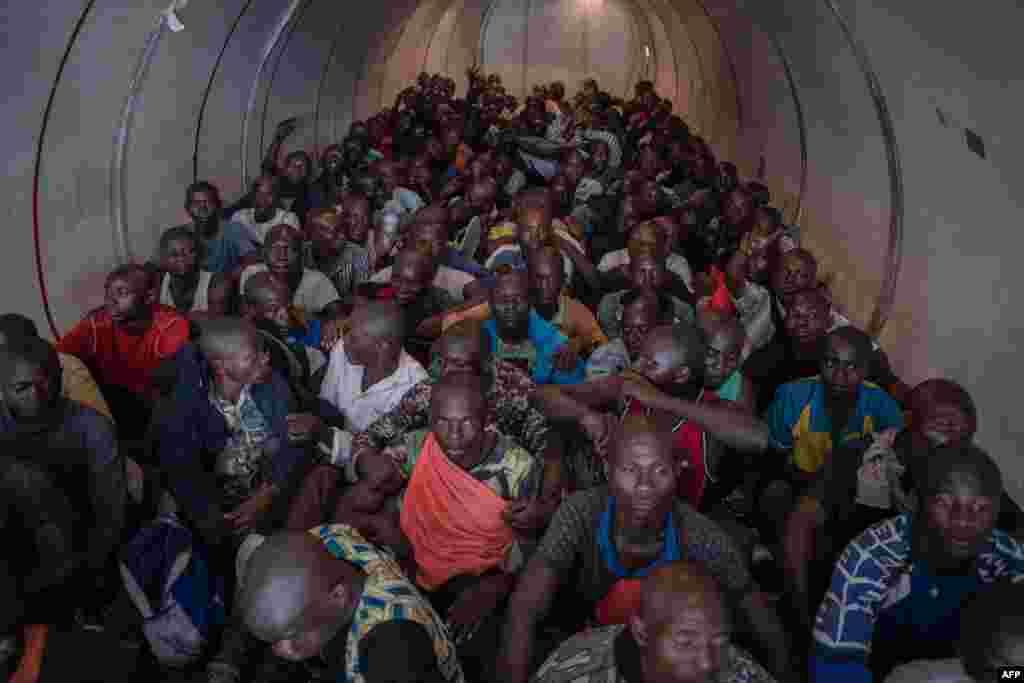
(453, 521)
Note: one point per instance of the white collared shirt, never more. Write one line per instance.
(343, 388)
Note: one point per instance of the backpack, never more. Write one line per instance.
(171, 584)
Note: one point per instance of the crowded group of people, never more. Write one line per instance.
(495, 392)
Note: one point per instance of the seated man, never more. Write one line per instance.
(860, 485)
(76, 446)
(463, 348)
(124, 342)
(898, 588)
(679, 634)
(519, 335)
(355, 218)
(223, 440)
(265, 305)
(330, 596)
(649, 233)
(665, 385)
(795, 273)
(184, 287)
(434, 237)
(311, 291)
(345, 263)
(991, 635)
(266, 211)
(812, 416)
(36, 583)
(410, 287)
(512, 242)
(725, 339)
(797, 352)
(645, 272)
(77, 382)
(547, 293)
(464, 480)
(368, 374)
(642, 311)
(608, 537)
(224, 243)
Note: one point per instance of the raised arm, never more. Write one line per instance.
(733, 427)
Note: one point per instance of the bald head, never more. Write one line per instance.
(638, 431)
(262, 289)
(966, 468)
(284, 576)
(676, 588)
(380, 320)
(465, 386)
(944, 407)
(220, 338)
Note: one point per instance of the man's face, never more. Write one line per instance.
(360, 347)
(961, 515)
(638, 319)
(283, 253)
(479, 168)
(127, 298)
(458, 423)
(807, 319)
(180, 257)
(409, 278)
(250, 362)
(202, 206)
(646, 239)
(433, 237)
(794, 273)
(841, 369)
(325, 231)
(511, 306)
(724, 350)
(737, 208)
(646, 272)
(31, 390)
(943, 424)
(357, 221)
(649, 192)
(296, 169)
(481, 198)
(642, 476)
(689, 648)
(264, 197)
(274, 308)
(548, 278)
(461, 355)
(659, 361)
